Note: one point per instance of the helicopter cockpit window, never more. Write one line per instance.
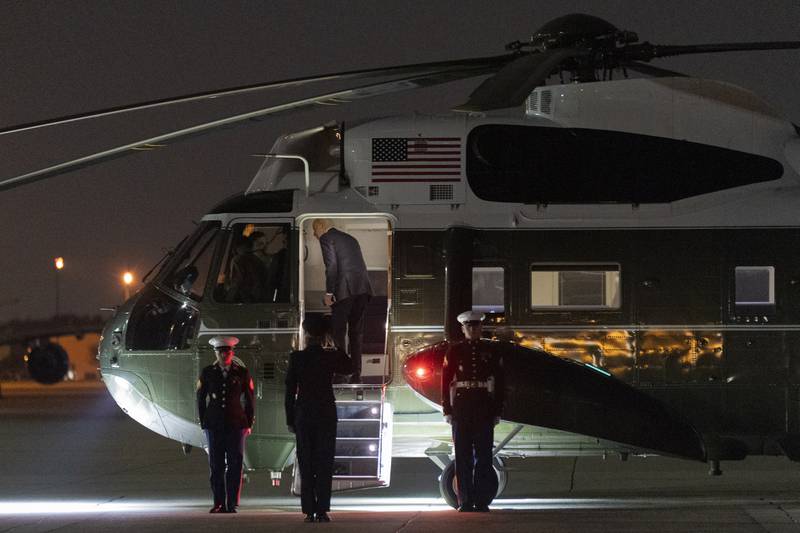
(163, 320)
(255, 268)
(189, 274)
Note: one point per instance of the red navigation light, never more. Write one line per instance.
(421, 372)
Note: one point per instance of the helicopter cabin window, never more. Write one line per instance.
(419, 261)
(488, 290)
(583, 286)
(539, 165)
(755, 285)
(255, 268)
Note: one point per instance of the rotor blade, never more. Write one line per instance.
(650, 70)
(367, 91)
(409, 70)
(515, 81)
(647, 51)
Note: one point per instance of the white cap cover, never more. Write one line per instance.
(471, 316)
(221, 340)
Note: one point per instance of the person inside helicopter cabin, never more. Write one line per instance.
(311, 415)
(277, 277)
(473, 391)
(248, 274)
(226, 410)
(347, 289)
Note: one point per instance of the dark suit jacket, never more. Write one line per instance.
(219, 399)
(345, 270)
(309, 381)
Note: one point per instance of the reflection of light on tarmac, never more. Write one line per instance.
(342, 504)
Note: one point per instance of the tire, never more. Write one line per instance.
(447, 485)
(447, 481)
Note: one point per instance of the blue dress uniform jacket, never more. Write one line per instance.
(218, 398)
(311, 411)
(225, 420)
(469, 369)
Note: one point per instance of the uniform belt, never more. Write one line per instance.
(472, 384)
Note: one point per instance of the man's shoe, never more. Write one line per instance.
(217, 509)
(481, 508)
(466, 508)
(309, 517)
(231, 510)
(323, 517)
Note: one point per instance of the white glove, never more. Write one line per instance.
(448, 419)
(496, 420)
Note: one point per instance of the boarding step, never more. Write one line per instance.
(363, 456)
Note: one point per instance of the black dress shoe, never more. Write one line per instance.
(481, 508)
(309, 517)
(217, 509)
(466, 508)
(323, 517)
(231, 510)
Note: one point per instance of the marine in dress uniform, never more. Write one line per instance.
(311, 415)
(226, 421)
(472, 401)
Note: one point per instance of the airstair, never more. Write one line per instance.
(363, 439)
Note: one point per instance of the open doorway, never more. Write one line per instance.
(374, 235)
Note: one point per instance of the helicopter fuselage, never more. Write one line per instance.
(645, 227)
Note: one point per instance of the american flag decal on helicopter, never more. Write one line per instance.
(418, 159)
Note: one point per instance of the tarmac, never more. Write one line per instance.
(71, 460)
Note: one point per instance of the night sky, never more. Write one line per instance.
(60, 58)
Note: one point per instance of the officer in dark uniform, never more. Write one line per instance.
(472, 401)
(311, 415)
(226, 421)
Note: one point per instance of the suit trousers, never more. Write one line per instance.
(316, 447)
(225, 457)
(473, 439)
(347, 319)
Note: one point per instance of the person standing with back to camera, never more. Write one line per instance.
(347, 288)
(311, 415)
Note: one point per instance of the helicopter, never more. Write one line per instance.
(632, 242)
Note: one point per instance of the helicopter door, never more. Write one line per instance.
(374, 236)
(364, 432)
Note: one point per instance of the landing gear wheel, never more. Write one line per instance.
(447, 485)
(447, 481)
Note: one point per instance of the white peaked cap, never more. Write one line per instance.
(220, 340)
(471, 316)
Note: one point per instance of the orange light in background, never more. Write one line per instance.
(127, 278)
(59, 261)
